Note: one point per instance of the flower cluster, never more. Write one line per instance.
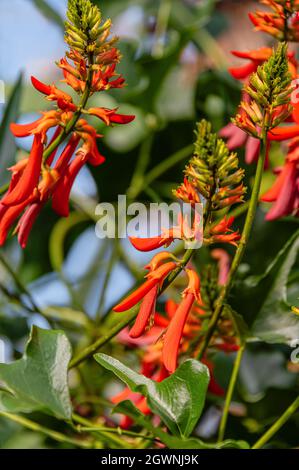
(214, 171)
(269, 89)
(269, 100)
(44, 176)
(282, 23)
(212, 177)
(159, 349)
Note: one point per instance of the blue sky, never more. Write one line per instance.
(28, 40)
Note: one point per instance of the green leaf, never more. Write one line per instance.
(48, 12)
(7, 142)
(262, 300)
(178, 400)
(173, 442)
(38, 381)
(58, 237)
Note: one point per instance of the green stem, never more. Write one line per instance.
(119, 431)
(161, 28)
(137, 182)
(19, 284)
(230, 392)
(109, 269)
(241, 247)
(104, 433)
(57, 436)
(277, 425)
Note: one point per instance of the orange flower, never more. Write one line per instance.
(281, 23)
(110, 116)
(29, 178)
(255, 57)
(175, 329)
(222, 233)
(64, 101)
(154, 278)
(285, 191)
(187, 193)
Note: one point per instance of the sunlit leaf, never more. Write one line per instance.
(178, 400)
(38, 381)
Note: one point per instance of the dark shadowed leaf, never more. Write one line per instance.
(38, 381)
(173, 442)
(48, 12)
(262, 300)
(178, 400)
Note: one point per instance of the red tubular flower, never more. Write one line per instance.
(8, 216)
(276, 23)
(64, 100)
(220, 232)
(255, 57)
(223, 264)
(284, 193)
(153, 278)
(187, 193)
(41, 125)
(26, 223)
(61, 196)
(147, 311)
(30, 176)
(149, 244)
(238, 138)
(175, 329)
(110, 116)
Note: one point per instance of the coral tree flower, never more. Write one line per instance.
(175, 329)
(285, 192)
(276, 23)
(40, 178)
(155, 278)
(222, 232)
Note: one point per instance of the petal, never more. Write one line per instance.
(149, 244)
(8, 217)
(67, 154)
(30, 176)
(242, 72)
(285, 202)
(174, 333)
(283, 133)
(24, 130)
(147, 309)
(252, 150)
(136, 296)
(121, 118)
(61, 195)
(41, 87)
(26, 223)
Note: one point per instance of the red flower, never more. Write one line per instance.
(238, 138)
(285, 191)
(64, 101)
(187, 193)
(255, 57)
(276, 23)
(222, 233)
(175, 329)
(29, 178)
(154, 278)
(223, 264)
(110, 116)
